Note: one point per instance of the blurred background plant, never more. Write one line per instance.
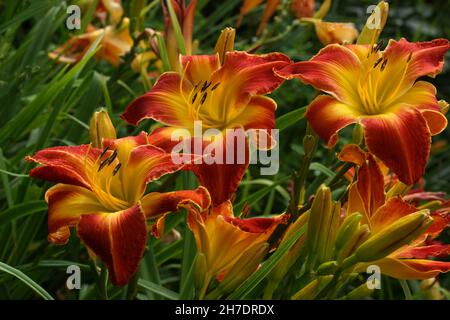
(45, 103)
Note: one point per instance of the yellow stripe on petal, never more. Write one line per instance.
(66, 204)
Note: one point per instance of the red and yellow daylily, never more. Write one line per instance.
(221, 96)
(115, 43)
(378, 89)
(101, 193)
(224, 238)
(367, 196)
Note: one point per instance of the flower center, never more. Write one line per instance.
(380, 82)
(105, 183)
(204, 106)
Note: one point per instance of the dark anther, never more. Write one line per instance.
(378, 62)
(116, 169)
(206, 85)
(204, 97)
(194, 97)
(215, 86)
(113, 156)
(103, 164)
(409, 57)
(383, 65)
(103, 152)
(378, 46)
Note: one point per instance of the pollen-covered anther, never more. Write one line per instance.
(383, 65)
(116, 169)
(204, 98)
(113, 156)
(377, 63)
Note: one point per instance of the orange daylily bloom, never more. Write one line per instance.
(115, 43)
(227, 96)
(367, 196)
(378, 90)
(224, 238)
(333, 32)
(101, 193)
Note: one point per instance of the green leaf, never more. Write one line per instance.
(26, 280)
(255, 279)
(255, 197)
(290, 118)
(176, 28)
(22, 210)
(320, 167)
(155, 288)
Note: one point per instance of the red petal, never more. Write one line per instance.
(401, 140)
(66, 164)
(371, 185)
(222, 179)
(66, 204)
(327, 116)
(118, 238)
(427, 58)
(156, 204)
(199, 68)
(333, 70)
(435, 250)
(165, 103)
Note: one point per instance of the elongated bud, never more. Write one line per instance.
(309, 144)
(347, 229)
(355, 240)
(394, 236)
(200, 271)
(444, 106)
(357, 134)
(323, 10)
(285, 263)
(318, 225)
(101, 127)
(399, 188)
(358, 293)
(244, 267)
(225, 43)
(310, 291)
(374, 24)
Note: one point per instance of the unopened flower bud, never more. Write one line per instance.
(225, 43)
(374, 24)
(444, 106)
(394, 236)
(101, 127)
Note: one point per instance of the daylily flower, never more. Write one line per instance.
(333, 32)
(101, 193)
(223, 238)
(111, 7)
(227, 96)
(378, 89)
(380, 210)
(115, 43)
